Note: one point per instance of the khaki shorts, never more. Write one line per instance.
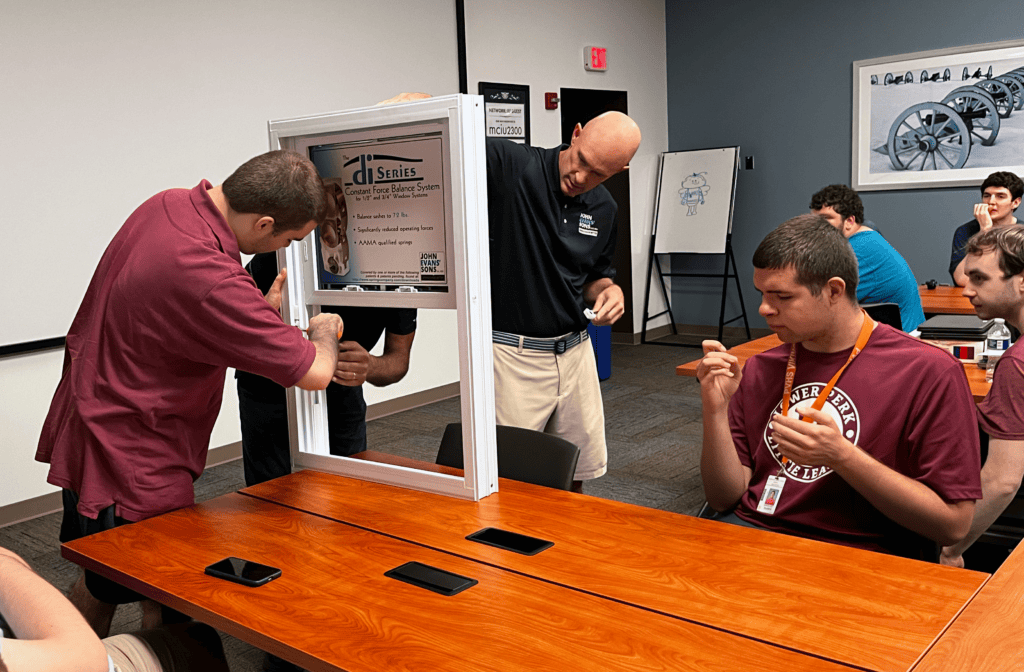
(556, 394)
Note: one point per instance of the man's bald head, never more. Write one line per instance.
(597, 151)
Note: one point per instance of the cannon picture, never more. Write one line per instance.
(940, 135)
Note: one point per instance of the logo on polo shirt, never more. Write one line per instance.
(587, 225)
(843, 411)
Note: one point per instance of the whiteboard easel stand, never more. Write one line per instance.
(726, 275)
(653, 263)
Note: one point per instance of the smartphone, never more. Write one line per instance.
(246, 572)
(431, 578)
(510, 541)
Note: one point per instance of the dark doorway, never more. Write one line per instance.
(578, 107)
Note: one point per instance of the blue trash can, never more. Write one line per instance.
(601, 338)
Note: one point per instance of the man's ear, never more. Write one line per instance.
(1015, 204)
(835, 289)
(263, 225)
(576, 131)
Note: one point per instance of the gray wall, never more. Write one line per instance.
(775, 79)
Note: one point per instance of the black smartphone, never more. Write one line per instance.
(246, 572)
(431, 578)
(510, 541)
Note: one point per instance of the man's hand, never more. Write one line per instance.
(353, 364)
(609, 306)
(719, 374)
(983, 215)
(273, 295)
(950, 560)
(820, 444)
(325, 326)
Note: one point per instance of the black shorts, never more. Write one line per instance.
(75, 526)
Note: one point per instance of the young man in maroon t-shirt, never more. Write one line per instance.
(850, 432)
(994, 267)
(167, 311)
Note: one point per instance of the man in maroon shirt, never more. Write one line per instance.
(168, 310)
(857, 433)
(994, 267)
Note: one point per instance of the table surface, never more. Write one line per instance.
(987, 636)
(975, 374)
(333, 608)
(945, 301)
(792, 592)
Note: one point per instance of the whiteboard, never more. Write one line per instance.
(696, 193)
(107, 104)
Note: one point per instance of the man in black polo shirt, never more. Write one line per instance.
(552, 233)
(261, 402)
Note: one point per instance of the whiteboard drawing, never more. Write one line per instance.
(695, 186)
(694, 203)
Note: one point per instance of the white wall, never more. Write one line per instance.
(108, 102)
(111, 101)
(540, 43)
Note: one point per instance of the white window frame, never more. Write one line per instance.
(466, 227)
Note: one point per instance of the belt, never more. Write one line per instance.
(556, 345)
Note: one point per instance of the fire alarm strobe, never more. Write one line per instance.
(594, 58)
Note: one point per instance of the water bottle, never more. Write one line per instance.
(995, 345)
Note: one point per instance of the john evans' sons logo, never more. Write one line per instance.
(587, 226)
(384, 169)
(844, 413)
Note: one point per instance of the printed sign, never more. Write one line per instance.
(385, 224)
(506, 120)
(506, 111)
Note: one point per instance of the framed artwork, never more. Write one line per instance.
(945, 118)
(506, 111)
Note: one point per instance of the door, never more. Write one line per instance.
(580, 106)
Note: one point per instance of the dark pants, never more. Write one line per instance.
(75, 526)
(265, 442)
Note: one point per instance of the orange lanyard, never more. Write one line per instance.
(867, 326)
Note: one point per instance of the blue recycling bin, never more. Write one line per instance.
(601, 338)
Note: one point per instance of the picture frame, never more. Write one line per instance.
(962, 123)
(506, 111)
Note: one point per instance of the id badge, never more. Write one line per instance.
(771, 494)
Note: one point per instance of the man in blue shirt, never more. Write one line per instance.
(885, 276)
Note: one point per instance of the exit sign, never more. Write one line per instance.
(595, 58)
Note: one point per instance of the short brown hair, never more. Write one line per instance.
(815, 249)
(1007, 240)
(280, 184)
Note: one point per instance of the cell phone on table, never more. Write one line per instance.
(246, 572)
(510, 541)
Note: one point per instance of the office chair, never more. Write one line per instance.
(523, 455)
(886, 313)
(707, 512)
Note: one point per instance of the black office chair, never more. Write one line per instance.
(707, 512)
(523, 455)
(886, 313)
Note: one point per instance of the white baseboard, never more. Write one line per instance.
(19, 512)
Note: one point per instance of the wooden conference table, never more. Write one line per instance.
(623, 587)
(987, 635)
(944, 301)
(743, 351)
